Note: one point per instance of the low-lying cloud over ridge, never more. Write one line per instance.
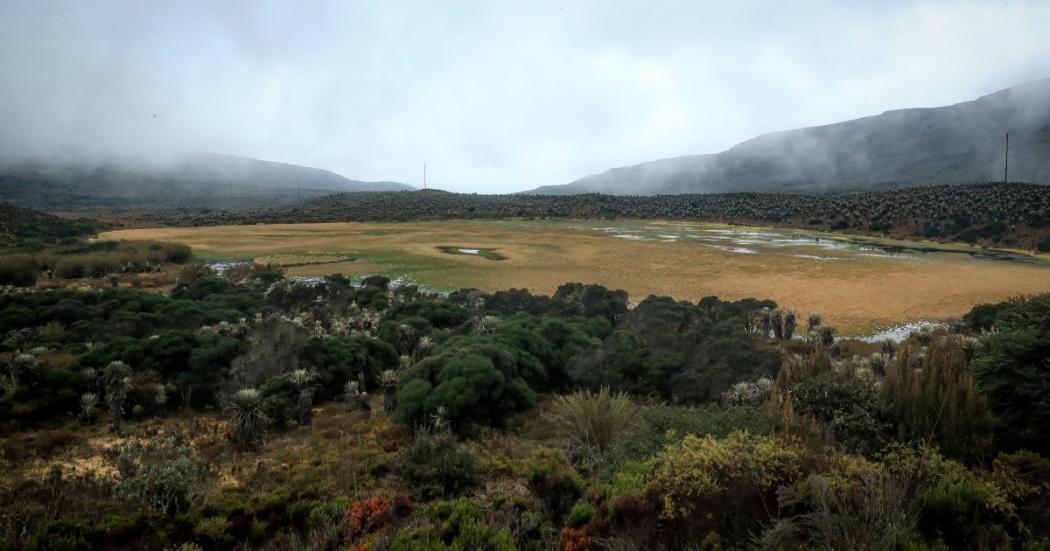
(493, 97)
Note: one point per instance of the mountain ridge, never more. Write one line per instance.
(959, 143)
(198, 178)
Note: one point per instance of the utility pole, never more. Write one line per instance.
(424, 176)
(1006, 160)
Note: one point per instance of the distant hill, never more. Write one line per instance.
(20, 225)
(202, 179)
(961, 143)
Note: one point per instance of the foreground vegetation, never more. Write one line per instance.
(254, 411)
(999, 215)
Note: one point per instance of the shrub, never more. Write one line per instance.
(580, 514)
(868, 509)
(453, 525)
(18, 270)
(723, 485)
(659, 425)
(474, 380)
(557, 487)
(434, 465)
(982, 316)
(574, 539)
(277, 402)
(159, 473)
(962, 514)
(846, 406)
(367, 515)
(937, 403)
(709, 350)
(1013, 371)
(595, 421)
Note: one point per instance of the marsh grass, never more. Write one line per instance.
(542, 255)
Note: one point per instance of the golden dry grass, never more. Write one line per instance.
(855, 294)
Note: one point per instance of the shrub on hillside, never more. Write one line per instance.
(725, 485)
(1013, 370)
(657, 426)
(846, 406)
(556, 485)
(473, 380)
(937, 403)
(453, 525)
(595, 422)
(434, 465)
(709, 351)
(859, 508)
(19, 270)
(371, 513)
(159, 473)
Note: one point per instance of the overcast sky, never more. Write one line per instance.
(492, 96)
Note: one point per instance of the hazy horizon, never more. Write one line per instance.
(492, 98)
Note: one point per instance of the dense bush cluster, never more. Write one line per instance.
(76, 259)
(22, 228)
(519, 421)
(1014, 215)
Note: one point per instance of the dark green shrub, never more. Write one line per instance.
(962, 514)
(1012, 369)
(18, 270)
(279, 409)
(659, 425)
(343, 359)
(470, 379)
(847, 408)
(453, 525)
(580, 514)
(710, 350)
(434, 465)
(556, 486)
(982, 317)
(1043, 245)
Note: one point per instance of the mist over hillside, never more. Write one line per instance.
(962, 143)
(213, 179)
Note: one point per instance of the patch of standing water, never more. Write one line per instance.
(815, 257)
(469, 251)
(741, 250)
(220, 267)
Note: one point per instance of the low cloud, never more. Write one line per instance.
(493, 98)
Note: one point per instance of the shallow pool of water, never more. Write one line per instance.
(808, 245)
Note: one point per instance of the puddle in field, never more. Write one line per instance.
(488, 254)
(787, 242)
